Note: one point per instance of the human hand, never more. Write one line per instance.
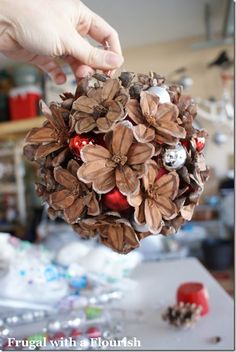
(38, 32)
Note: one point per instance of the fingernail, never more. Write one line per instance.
(113, 60)
(60, 78)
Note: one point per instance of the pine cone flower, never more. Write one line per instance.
(52, 137)
(73, 198)
(175, 91)
(86, 228)
(155, 122)
(154, 202)
(172, 226)
(101, 108)
(119, 236)
(187, 113)
(54, 214)
(153, 79)
(47, 179)
(144, 82)
(182, 314)
(126, 78)
(121, 165)
(42, 191)
(114, 232)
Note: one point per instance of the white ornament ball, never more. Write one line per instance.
(140, 228)
(174, 157)
(161, 93)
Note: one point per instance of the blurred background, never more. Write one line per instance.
(191, 43)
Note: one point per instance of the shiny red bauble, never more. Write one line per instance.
(116, 201)
(185, 143)
(78, 142)
(93, 332)
(193, 292)
(200, 143)
(161, 172)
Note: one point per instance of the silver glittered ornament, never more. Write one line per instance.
(174, 157)
(161, 93)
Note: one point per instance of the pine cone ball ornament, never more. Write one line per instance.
(120, 159)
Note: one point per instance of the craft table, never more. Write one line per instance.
(156, 287)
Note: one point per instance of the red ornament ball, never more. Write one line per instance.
(161, 172)
(93, 332)
(200, 143)
(116, 201)
(185, 143)
(78, 142)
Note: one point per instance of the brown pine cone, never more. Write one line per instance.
(182, 315)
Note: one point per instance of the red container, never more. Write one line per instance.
(24, 102)
(194, 292)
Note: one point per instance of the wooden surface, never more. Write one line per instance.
(19, 127)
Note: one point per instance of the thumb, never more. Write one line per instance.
(83, 51)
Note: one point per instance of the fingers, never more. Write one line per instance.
(50, 66)
(81, 50)
(101, 31)
(79, 69)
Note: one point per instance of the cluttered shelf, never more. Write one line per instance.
(8, 188)
(20, 126)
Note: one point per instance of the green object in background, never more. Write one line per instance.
(37, 338)
(93, 312)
